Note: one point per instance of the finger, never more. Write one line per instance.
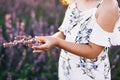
(38, 51)
(41, 47)
(36, 47)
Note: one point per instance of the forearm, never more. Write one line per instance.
(89, 51)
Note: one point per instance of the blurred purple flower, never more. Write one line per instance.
(41, 58)
(9, 76)
(117, 57)
(44, 78)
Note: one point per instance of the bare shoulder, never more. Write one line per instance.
(108, 14)
(110, 5)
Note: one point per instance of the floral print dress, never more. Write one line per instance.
(81, 27)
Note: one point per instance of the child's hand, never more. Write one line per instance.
(47, 43)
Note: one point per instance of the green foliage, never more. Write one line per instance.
(114, 55)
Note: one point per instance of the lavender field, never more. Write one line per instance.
(32, 18)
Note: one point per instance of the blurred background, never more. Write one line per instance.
(30, 18)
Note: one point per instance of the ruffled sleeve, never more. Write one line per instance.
(99, 36)
(115, 38)
(65, 22)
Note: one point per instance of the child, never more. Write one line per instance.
(85, 37)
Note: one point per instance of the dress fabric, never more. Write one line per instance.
(81, 27)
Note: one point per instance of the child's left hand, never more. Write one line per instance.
(47, 43)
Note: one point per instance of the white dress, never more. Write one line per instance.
(81, 27)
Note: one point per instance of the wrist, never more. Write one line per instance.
(56, 41)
